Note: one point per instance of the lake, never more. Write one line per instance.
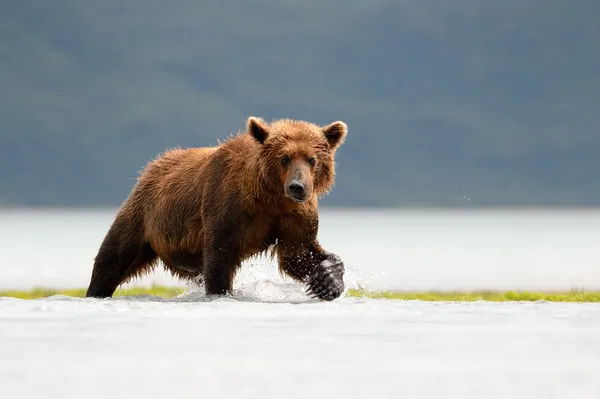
(383, 249)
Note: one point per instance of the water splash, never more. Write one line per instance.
(260, 281)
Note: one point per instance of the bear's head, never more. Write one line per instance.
(296, 157)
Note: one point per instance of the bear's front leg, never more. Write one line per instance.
(326, 280)
(221, 261)
(322, 271)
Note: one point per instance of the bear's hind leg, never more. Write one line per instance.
(122, 256)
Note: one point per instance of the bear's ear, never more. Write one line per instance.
(335, 133)
(257, 129)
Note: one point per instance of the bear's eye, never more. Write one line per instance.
(311, 161)
(286, 160)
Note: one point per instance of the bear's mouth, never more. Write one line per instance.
(297, 200)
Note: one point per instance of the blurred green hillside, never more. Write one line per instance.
(449, 103)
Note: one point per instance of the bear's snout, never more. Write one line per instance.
(297, 191)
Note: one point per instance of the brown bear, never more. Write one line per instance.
(203, 211)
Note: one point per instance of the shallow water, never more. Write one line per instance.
(250, 348)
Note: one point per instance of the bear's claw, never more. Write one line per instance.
(326, 282)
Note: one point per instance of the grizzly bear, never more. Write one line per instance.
(203, 211)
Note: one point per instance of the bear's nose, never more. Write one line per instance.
(296, 189)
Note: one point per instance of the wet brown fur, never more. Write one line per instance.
(203, 211)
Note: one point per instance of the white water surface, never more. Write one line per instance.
(249, 347)
(382, 249)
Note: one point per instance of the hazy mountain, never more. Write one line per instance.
(460, 103)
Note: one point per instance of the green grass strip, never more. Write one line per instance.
(165, 292)
(433, 296)
(491, 296)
